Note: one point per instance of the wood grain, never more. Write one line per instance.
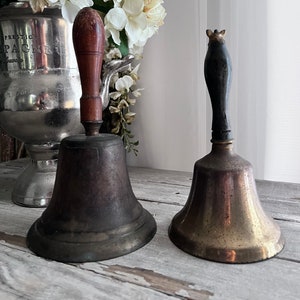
(159, 270)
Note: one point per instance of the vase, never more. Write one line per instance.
(39, 93)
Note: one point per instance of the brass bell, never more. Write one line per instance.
(223, 219)
(93, 213)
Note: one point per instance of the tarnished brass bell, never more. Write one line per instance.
(223, 219)
(93, 213)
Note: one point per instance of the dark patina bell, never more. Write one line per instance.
(93, 214)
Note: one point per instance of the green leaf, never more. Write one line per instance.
(123, 47)
(124, 43)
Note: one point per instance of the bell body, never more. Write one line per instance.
(223, 219)
(39, 92)
(93, 214)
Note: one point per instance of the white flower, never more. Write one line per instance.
(115, 21)
(137, 20)
(130, 16)
(137, 93)
(131, 101)
(123, 103)
(155, 12)
(129, 117)
(124, 83)
(146, 34)
(133, 7)
(115, 95)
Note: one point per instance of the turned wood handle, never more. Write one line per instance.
(89, 40)
(217, 71)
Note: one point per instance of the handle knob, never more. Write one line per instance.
(217, 71)
(89, 40)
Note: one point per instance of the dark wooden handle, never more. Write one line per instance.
(217, 71)
(89, 40)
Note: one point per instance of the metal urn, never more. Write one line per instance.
(39, 93)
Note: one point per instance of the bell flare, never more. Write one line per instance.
(223, 219)
(93, 213)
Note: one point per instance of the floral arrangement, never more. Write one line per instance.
(128, 25)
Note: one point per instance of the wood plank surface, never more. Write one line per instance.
(159, 270)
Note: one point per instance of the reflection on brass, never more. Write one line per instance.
(223, 219)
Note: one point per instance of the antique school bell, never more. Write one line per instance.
(222, 219)
(93, 213)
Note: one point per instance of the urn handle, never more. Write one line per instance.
(217, 71)
(89, 40)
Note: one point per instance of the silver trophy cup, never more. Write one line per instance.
(39, 93)
(40, 90)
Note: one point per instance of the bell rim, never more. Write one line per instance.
(230, 255)
(79, 252)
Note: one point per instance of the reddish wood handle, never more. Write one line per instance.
(89, 40)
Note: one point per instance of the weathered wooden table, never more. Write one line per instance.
(159, 270)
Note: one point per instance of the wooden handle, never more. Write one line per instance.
(217, 71)
(89, 40)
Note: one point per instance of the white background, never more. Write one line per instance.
(174, 113)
